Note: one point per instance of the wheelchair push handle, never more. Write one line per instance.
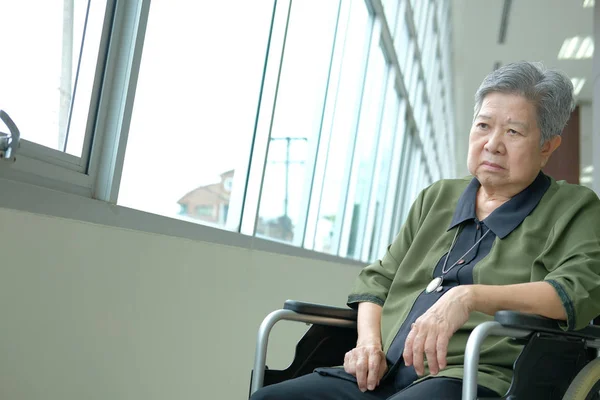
(9, 142)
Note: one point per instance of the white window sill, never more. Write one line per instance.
(40, 200)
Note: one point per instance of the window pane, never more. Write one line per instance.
(195, 107)
(407, 168)
(47, 58)
(395, 188)
(402, 41)
(344, 128)
(382, 173)
(390, 9)
(415, 174)
(364, 154)
(297, 119)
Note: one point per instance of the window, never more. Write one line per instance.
(228, 184)
(415, 170)
(422, 21)
(408, 161)
(402, 40)
(385, 178)
(365, 155)
(390, 9)
(341, 143)
(205, 210)
(49, 71)
(193, 96)
(297, 120)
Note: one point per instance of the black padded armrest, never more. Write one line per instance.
(537, 323)
(320, 310)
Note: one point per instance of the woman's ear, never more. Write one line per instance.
(548, 148)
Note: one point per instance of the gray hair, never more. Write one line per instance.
(550, 91)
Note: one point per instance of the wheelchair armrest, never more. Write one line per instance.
(537, 323)
(320, 310)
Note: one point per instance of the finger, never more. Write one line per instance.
(431, 353)
(350, 363)
(383, 367)
(418, 348)
(408, 344)
(442, 350)
(373, 375)
(361, 372)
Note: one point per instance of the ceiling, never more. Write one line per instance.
(535, 31)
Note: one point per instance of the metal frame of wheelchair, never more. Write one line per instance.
(553, 365)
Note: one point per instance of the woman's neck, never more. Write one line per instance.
(487, 202)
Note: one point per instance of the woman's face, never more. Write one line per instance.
(504, 144)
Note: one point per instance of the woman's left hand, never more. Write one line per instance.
(432, 331)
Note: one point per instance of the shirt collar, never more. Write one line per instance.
(509, 215)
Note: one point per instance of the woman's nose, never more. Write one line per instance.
(494, 143)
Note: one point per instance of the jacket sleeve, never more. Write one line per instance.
(374, 281)
(573, 260)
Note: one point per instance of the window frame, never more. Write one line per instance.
(58, 170)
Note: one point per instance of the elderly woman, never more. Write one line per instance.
(507, 238)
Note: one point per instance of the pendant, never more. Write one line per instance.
(435, 285)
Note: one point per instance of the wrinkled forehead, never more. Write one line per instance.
(508, 109)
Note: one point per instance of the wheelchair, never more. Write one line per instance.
(553, 365)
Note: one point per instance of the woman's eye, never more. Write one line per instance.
(482, 125)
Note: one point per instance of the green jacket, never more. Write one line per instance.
(558, 242)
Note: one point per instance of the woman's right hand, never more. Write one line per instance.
(367, 363)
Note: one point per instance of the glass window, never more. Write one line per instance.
(343, 129)
(48, 69)
(422, 21)
(402, 41)
(421, 180)
(428, 56)
(425, 136)
(409, 64)
(415, 97)
(193, 97)
(415, 77)
(381, 182)
(413, 180)
(390, 8)
(442, 16)
(365, 154)
(432, 79)
(405, 173)
(417, 9)
(297, 119)
(394, 189)
(424, 108)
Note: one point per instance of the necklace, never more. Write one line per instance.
(436, 283)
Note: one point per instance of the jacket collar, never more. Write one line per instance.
(509, 215)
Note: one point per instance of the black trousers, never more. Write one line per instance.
(320, 387)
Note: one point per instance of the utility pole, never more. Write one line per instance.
(287, 162)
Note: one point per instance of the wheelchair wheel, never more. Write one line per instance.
(586, 385)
